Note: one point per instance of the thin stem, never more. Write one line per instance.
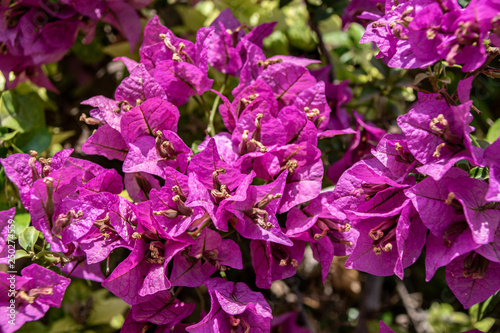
(211, 127)
(204, 103)
(73, 269)
(174, 296)
(229, 233)
(201, 227)
(198, 100)
(202, 299)
(17, 149)
(322, 48)
(479, 309)
(474, 140)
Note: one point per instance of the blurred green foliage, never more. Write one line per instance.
(84, 309)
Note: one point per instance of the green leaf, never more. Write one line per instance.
(321, 14)
(33, 326)
(55, 269)
(22, 222)
(420, 77)
(105, 308)
(66, 325)
(125, 195)
(60, 137)
(489, 306)
(494, 131)
(483, 144)
(485, 324)
(121, 49)
(90, 53)
(283, 3)
(22, 254)
(463, 3)
(5, 135)
(191, 17)
(28, 238)
(37, 140)
(21, 112)
(194, 146)
(445, 79)
(479, 173)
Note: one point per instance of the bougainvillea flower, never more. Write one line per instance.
(390, 33)
(483, 217)
(491, 251)
(342, 235)
(224, 146)
(221, 51)
(304, 166)
(357, 7)
(359, 185)
(313, 102)
(255, 211)
(473, 278)
(287, 322)
(272, 261)
(171, 214)
(246, 100)
(107, 142)
(451, 235)
(108, 111)
(155, 154)
(159, 311)
(212, 171)
(23, 170)
(326, 234)
(138, 87)
(365, 138)
(55, 214)
(492, 160)
(161, 44)
(149, 117)
(210, 253)
(112, 229)
(181, 80)
(430, 196)
(387, 245)
(458, 198)
(37, 290)
(428, 29)
(35, 33)
(437, 134)
(144, 271)
(139, 184)
(392, 151)
(108, 181)
(467, 31)
(287, 81)
(234, 307)
(257, 132)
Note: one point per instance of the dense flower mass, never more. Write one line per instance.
(415, 34)
(261, 179)
(40, 32)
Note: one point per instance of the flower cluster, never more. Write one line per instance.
(187, 216)
(262, 168)
(35, 33)
(418, 33)
(412, 185)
